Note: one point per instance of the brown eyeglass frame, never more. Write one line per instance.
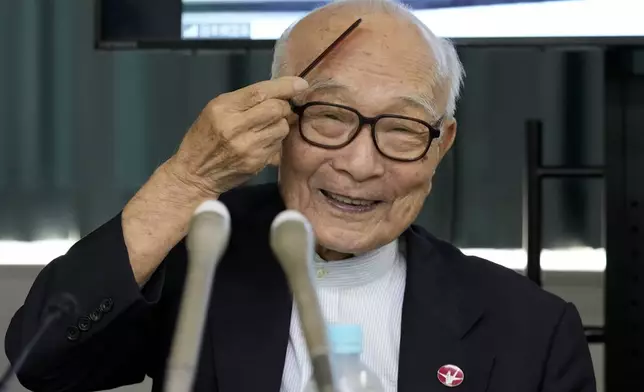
(434, 132)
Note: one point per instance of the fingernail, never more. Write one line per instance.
(300, 84)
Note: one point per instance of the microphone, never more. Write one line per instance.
(292, 241)
(207, 241)
(59, 305)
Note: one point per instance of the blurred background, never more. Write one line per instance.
(83, 124)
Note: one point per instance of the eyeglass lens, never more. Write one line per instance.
(332, 126)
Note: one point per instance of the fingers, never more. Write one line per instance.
(254, 107)
(274, 133)
(258, 148)
(274, 148)
(282, 88)
(266, 113)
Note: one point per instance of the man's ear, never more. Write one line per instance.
(448, 135)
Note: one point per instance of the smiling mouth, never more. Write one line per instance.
(347, 203)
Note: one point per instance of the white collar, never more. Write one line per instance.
(358, 270)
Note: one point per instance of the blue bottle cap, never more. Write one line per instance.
(345, 338)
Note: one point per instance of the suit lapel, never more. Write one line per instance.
(252, 305)
(439, 314)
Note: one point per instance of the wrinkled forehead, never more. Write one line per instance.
(378, 39)
(382, 60)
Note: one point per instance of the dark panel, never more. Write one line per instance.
(504, 88)
(45, 120)
(138, 20)
(574, 196)
(625, 223)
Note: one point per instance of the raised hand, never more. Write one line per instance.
(236, 135)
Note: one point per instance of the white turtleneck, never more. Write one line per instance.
(367, 290)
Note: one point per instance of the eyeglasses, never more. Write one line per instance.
(333, 126)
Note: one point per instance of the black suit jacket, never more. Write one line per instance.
(503, 331)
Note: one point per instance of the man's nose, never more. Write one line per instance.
(360, 159)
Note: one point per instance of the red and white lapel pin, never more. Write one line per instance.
(450, 375)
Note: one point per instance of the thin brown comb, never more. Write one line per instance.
(335, 43)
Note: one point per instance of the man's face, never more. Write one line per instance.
(375, 71)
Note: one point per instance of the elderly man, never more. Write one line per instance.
(357, 144)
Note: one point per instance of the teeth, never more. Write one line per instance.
(348, 200)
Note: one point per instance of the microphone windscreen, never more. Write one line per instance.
(206, 242)
(293, 242)
(209, 231)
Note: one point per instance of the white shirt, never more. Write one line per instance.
(367, 290)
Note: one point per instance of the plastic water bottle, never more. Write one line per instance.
(351, 374)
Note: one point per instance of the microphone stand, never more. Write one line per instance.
(57, 308)
(293, 242)
(206, 243)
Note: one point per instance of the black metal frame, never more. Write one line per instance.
(242, 45)
(623, 173)
(535, 173)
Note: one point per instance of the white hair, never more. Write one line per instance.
(447, 72)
